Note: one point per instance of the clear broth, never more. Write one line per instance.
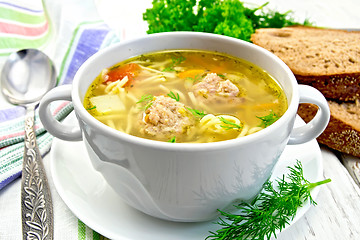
(177, 76)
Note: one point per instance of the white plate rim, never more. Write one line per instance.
(308, 158)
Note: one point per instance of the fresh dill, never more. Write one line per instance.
(91, 108)
(268, 119)
(196, 78)
(174, 62)
(174, 96)
(229, 125)
(148, 105)
(147, 100)
(172, 140)
(270, 211)
(196, 113)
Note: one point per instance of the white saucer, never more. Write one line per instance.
(89, 197)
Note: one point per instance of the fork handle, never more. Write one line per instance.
(36, 203)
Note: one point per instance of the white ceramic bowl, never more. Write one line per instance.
(182, 181)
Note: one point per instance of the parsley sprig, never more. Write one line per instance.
(225, 17)
(270, 211)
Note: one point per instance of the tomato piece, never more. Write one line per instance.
(130, 70)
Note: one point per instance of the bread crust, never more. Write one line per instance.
(338, 135)
(343, 87)
(327, 59)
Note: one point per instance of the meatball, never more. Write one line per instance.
(166, 117)
(215, 89)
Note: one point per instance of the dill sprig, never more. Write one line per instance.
(196, 78)
(196, 113)
(270, 211)
(174, 62)
(268, 119)
(146, 100)
(91, 108)
(174, 96)
(229, 125)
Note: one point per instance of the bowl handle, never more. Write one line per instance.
(318, 124)
(54, 127)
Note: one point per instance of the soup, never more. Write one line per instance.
(186, 96)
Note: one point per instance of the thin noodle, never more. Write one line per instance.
(244, 131)
(204, 107)
(193, 99)
(131, 97)
(158, 71)
(111, 124)
(181, 95)
(116, 86)
(111, 86)
(104, 118)
(122, 82)
(122, 95)
(154, 79)
(133, 110)
(254, 130)
(162, 87)
(129, 124)
(161, 64)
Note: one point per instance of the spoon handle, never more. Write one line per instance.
(36, 204)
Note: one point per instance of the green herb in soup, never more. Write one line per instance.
(188, 95)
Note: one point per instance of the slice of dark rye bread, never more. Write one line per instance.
(326, 59)
(343, 130)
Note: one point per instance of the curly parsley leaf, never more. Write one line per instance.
(226, 17)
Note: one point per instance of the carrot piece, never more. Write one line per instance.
(130, 70)
(192, 73)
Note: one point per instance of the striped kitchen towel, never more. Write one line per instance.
(89, 36)
(12, 140)
(23, 25)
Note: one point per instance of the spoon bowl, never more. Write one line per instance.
(26, 76)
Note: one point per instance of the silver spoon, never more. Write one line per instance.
(26, 76)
